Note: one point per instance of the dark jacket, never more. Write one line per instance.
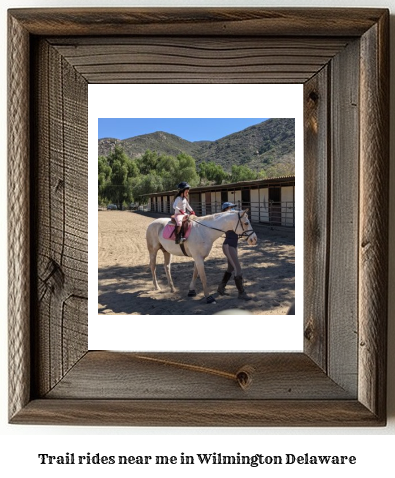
(231, 238)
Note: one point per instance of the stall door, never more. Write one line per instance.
(208, 202)
(246, 199)
(275, 206)
(196, 205)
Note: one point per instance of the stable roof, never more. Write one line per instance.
(252, 184)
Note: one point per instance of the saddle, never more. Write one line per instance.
(170, 228)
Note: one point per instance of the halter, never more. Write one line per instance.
(245, 234)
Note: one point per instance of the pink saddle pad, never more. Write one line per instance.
(169, 232)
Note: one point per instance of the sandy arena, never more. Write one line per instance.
(125, 281)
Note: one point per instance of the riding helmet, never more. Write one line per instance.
(227, 204)
(183, 186)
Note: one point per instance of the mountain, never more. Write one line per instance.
(268, 143)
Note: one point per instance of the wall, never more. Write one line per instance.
(259, 207)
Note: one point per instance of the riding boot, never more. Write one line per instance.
(183, 231)
(222, 285)
(240, 288)
(178, 235)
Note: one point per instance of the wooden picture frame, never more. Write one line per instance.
(342, 58)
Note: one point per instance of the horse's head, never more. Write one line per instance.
(244, 228)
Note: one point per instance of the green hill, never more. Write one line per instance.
(269, 143)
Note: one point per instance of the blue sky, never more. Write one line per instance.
(192, 129)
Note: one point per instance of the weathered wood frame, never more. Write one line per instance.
(342, 57)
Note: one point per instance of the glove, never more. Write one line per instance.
(193, 213)
(181, 211)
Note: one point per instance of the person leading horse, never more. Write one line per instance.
(229, 248)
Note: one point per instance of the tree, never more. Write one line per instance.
(104, 178)
(148, 162)
(285, 168)
(215, 172)
(117, 155)
(202, 173)
(186, 170)
(118, 189)
(143, 185)
(133, 169)
(167, 167)
(167, 164)
(262, 174)
(212, 172)
(242, 173)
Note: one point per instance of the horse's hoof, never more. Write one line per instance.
(192, 293)
(210, 300)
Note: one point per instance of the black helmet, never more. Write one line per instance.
(183, 186)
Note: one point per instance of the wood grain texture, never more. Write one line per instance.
(346, 305)
(61, 226)
(344, 216)
(373, 235)
(259, 22)
(191, 59)
(202, 413)
(18, 218)
(196, 376)
(316, 214)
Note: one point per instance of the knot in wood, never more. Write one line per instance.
(308, 332)
(313, 96)
(244, 376)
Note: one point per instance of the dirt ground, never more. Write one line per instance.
(125, 281)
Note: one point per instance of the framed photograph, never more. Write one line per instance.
(161, 146)
(341, 57)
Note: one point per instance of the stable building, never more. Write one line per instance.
(270, 201)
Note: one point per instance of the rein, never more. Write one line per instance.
(245, 234)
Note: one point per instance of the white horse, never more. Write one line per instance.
(205, 230)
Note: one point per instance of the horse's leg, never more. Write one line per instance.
(192, 285)
(200, 267)
(167, 269)
(152, 264)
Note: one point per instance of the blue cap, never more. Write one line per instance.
(227, 204)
